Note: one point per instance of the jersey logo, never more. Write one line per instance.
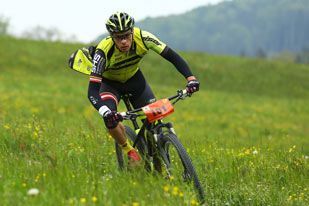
(152, 40)
(98, 64)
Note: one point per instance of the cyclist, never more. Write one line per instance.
(116, 72)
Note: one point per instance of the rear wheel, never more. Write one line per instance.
(122, 158)
(178, 163)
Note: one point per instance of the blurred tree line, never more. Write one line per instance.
(35, 33)
(262, 28)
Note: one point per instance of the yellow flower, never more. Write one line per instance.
(6, 126)
(135, 204)
(83, 199)
(294, 146)
(94, 199)
(290, 150)
(166, 188)
(24, 185)
(180, 194)
(193, 202)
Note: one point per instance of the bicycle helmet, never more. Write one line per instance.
(119, 22)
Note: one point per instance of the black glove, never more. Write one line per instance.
(192, 86)
(111, 119)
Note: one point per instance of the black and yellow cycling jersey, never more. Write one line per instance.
(111, 63)
(115, 68)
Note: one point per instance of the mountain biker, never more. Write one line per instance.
(116, 72)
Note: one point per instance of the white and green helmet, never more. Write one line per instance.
(119, 22)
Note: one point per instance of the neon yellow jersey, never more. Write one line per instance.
(120, 66)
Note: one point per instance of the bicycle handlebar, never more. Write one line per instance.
(181, 95)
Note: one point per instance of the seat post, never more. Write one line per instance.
(129, 108)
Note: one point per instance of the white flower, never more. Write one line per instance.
(255, 152)
(33, 191)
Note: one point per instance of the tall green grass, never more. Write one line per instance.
(246, 131)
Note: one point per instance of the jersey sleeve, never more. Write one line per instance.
(99, 63)
(152, 42)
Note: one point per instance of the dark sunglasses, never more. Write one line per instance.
(122, 37)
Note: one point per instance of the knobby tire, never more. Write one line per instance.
(171, 139)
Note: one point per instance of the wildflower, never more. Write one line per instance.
(180, 194)
(193, 202)
(255, 152)
(6, 126)
(24, 185)
(166, 188)
(83, 199)
(33, 192)
(94, 199)
(135, 204)
(290, 150)
(175, 190)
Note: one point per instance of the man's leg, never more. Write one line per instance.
(118, 133)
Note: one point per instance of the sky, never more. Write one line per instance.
(85, 19)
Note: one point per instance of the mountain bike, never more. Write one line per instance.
(157, 142)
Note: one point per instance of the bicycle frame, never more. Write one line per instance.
(154, 127)
(155, 138)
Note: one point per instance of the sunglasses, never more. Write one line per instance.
(122, 37)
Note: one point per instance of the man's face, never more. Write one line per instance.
(123, 40)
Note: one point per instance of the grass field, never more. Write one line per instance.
(246, 132)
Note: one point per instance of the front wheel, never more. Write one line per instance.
(178, 163)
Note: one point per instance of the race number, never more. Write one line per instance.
(158, 110)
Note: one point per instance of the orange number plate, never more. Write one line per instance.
(158, 110)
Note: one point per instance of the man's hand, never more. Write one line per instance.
(112, 118)
(192, 86)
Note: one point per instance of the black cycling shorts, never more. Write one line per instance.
(140, 93)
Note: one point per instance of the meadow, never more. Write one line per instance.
(246, 132)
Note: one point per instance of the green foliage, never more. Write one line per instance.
(4, 24)
(237, 27)
(246, 132)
